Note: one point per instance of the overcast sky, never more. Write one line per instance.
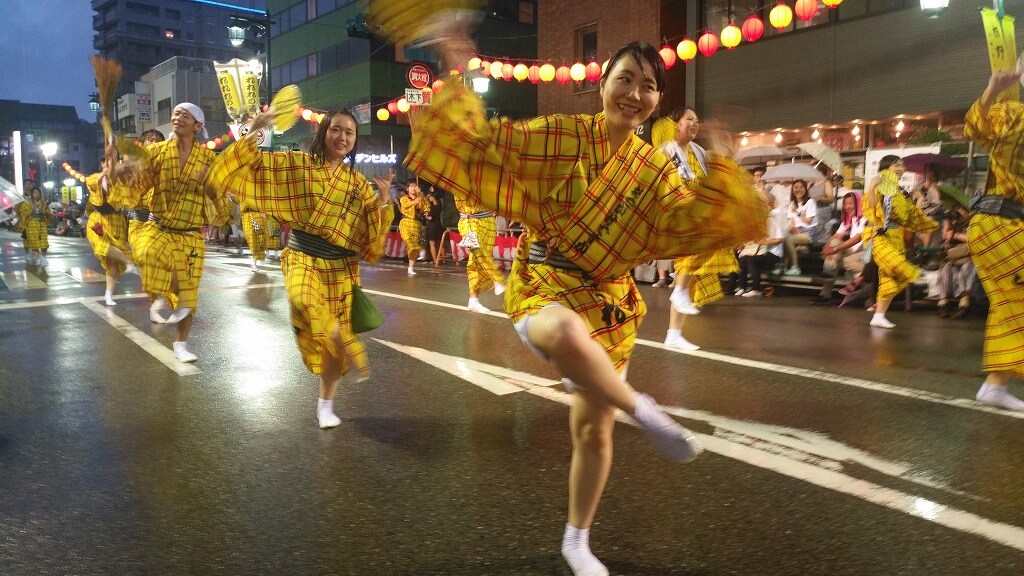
(44, 53)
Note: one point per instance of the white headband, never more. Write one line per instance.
(196, 113)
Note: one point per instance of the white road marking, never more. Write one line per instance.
(787, 451)
(67, 300)
(145, 341)
(21, 280)
(818, 375)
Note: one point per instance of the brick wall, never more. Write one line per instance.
(618, 22)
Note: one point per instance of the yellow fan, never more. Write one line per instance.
(284, 104)
(406, 21)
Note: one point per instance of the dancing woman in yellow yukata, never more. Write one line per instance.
(996, 237)
(888, 213)
(596, 201)
(107, 230)
(336, 219)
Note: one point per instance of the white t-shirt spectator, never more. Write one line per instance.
(808, 210)
(781, 194)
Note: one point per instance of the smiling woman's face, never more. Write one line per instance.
(628, 94)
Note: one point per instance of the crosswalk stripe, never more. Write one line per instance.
(21, 280)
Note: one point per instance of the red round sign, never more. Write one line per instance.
(419, 76)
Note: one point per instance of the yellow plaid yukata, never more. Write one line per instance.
(409, 227)
(338, 206)
(114, 226)
(481, 270)
(997, 243)
(257, 231)
(604, 210)
(888, 250)
(704, 268)
(173, 246)
(33, 221)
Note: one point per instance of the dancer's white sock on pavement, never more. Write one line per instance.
(576, 551)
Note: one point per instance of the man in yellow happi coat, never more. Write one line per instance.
(107, 229)
(412, 205)
(596, 201)
(889, 213)
(479, 230)
(172, 250)
(996, 237)
(336, 219)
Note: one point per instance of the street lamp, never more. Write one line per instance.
(49, 149)
(94, 103)
(236, 34)
(932, 8)
(481, 84)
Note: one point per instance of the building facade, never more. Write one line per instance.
(320, 46)
(139, 34)
(37, 124)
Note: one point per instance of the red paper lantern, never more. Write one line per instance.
(593, 71)
(668, 55)
(485, 68)
(562, 75)
(507, 71)
(753, 28)
(707, 43)
(806, 9)
(533, 74)
(437, 85)
(393, 107)
(217, 141)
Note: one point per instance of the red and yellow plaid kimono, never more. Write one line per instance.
(704, 268)
(32, 220)
(409, 226)
(888, 250)
(256, 227)
(997, 243)
(113, 226)
(605, 210)
(481, 270)
(173, 247)
(340, 207)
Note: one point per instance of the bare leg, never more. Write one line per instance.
(591, 423)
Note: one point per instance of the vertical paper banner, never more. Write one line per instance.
(251, 91)
(1002, 47)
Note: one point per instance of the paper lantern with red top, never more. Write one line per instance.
(393, 107)
(593, 71)
(753, 28)
(496, 69)
(806, 9)
(547, 73)
(831, 3)
(687, 49)
(562, 75)
(437, 85)
(780, 16)
(533, 74)
(707, 44)
(520, 72)
(668, 56)
(485, 68)
(217, 141)
(506, 71)
(731, 36)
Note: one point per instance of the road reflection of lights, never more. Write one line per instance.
(927, 509)
(254, 383)
(256, 348)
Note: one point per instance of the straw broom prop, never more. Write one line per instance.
(108, 74)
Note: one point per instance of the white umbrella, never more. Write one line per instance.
(760, 155)
(790, 172)
(8, 197)
(823, 154)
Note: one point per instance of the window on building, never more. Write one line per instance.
(852, 9)
(527, 12)
(325, 6)
(172, 34)
(214, 110)
(404, 53)
(143, 29)
(172, 14)
(310, 10)
(585, 50)
(144, 9)
(311, 65)
(163, 111)
(297, 15)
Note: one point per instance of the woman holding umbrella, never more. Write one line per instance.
(996, 237)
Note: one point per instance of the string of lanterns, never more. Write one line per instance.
(752, 29)
(74, 173)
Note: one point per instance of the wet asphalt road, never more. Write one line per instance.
(833, 448)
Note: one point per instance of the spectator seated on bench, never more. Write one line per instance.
(803, 225)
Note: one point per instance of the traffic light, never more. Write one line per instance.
(357, 27)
